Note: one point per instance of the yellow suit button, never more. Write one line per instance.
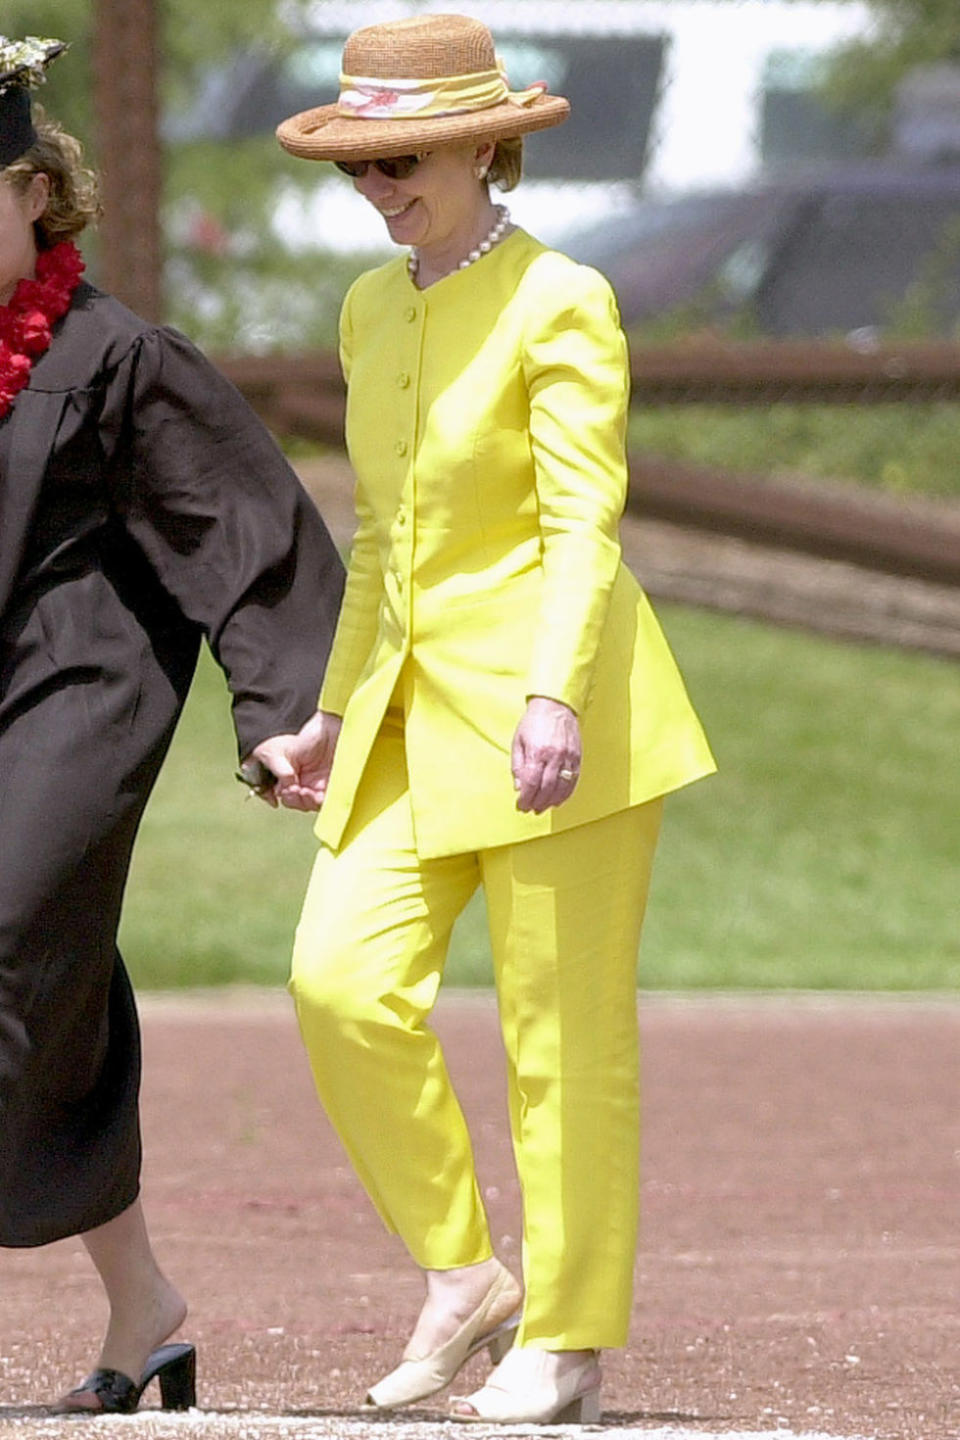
(403, 379)
(401, 516)
(401, 447)
(410, 313)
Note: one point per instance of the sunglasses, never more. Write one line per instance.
(398, 167)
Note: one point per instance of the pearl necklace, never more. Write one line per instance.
(485, 246)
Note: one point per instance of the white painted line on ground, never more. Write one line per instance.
(252, 1425)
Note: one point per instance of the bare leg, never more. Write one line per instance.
(144, 1307)
(467, 1308)
(452, 1296)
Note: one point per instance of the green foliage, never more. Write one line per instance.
(195, 36)
(67, 93)
(824, 852)
(268, 300)
(217, 879)
(903, 449)
(712, 311)
(232, 282)
(863, 75)
(822, 855)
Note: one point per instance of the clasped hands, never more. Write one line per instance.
(300, 762)
(545, 758)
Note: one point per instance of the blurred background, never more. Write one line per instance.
(773, 188)
(769, 167)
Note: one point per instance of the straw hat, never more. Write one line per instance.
(417, 84)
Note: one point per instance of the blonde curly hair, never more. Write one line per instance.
(74, 191)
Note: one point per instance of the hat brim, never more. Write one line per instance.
(326, 133)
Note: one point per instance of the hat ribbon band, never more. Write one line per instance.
(377, 99)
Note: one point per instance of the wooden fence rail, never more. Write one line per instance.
(690, 372)
(303, 395)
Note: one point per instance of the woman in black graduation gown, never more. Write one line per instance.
(142, 505)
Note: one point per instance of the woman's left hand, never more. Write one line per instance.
(546, 754)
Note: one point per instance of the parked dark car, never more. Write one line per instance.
(852, 248)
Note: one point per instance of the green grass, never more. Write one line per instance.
(824, 854)
(902, 449)
(217, 879)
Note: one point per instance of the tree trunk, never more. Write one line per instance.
(125, 66)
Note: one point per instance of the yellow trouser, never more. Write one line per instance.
(565, 913)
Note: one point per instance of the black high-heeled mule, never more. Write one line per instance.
(174, 1366)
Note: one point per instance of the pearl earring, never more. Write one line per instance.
(481, 172)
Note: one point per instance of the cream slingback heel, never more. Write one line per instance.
(492, 1326)
(525, 1390)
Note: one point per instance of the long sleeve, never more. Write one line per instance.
(357, 629)
(207, 496)
(575, 367)
(486, 420)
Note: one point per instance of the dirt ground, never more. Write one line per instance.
(799, 1268)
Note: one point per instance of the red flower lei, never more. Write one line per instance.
(26, 321)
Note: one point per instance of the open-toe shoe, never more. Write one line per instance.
(516, 1395)
(110, 1392)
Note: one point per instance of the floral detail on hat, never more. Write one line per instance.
(382, 103)
(380, 100)
(23, 62)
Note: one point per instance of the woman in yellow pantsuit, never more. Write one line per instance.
(500, 709)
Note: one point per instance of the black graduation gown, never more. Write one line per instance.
(142, 505)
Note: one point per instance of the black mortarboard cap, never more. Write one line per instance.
(22, 64)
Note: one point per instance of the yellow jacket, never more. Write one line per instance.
(485, 424)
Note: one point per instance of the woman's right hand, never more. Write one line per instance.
(302, 762)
